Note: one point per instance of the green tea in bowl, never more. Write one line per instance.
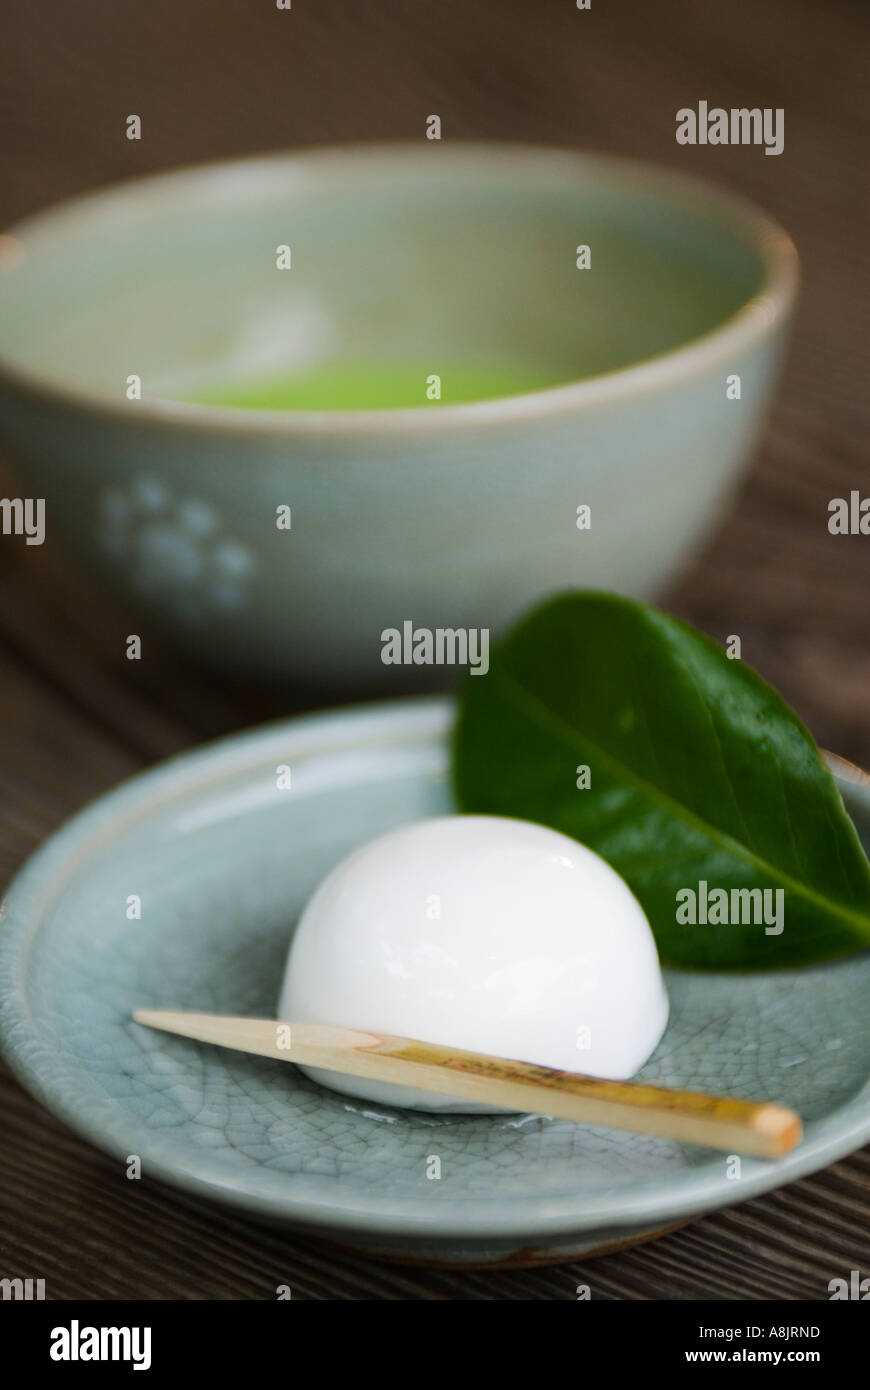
(434, 363)
(376, 386)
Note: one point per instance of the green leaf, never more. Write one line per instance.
(699, 773)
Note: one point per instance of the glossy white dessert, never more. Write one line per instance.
(483, 933)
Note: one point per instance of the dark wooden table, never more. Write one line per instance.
(230, 77)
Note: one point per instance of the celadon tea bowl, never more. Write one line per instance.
(651, 305)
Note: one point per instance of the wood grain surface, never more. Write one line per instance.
(231, 77)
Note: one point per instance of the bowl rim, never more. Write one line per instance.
(755, 319)
(96, 1118)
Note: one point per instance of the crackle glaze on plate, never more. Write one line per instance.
(223, 861)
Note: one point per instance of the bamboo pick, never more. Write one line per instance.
(760, 1128)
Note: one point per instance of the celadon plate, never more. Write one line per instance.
(222, 860)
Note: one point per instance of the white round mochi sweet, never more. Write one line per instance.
(482, 933)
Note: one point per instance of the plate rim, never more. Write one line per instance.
(102, 1121)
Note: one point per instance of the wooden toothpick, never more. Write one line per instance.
(760, 1128)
